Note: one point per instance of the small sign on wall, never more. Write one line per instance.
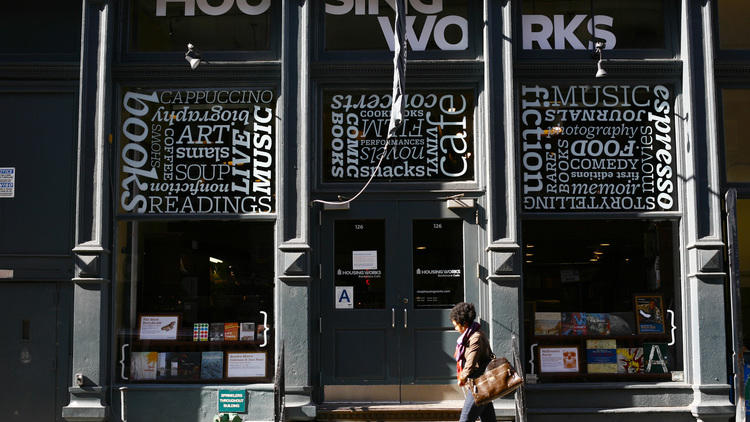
(344, 297)
(232, 401)
(7, 182)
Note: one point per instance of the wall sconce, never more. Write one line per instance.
(600, 72)
(193, 57)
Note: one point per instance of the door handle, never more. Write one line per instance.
(393, 317)
(406, 317)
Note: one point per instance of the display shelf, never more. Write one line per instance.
(632, 337)
(593, 377)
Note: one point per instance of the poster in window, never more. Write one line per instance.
(598, 148)
(435, 142)
(559, 359)
(158, 327)
(197, 151)
(649, 314)
(246, 365)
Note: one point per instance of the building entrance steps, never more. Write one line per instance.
(447, 410)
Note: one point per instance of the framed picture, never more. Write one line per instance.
(246, 364)
(649, 314)
(559, 360)
(158, 326)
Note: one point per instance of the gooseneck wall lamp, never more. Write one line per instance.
(600, 72)
(193, 57)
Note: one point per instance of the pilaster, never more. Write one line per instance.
(90, 380)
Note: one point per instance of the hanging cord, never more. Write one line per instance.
(397, 98)
(385, 151)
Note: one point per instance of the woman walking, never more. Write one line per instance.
(473, 353)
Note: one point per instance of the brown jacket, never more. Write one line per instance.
(477, 355)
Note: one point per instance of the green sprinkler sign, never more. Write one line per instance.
(232, 401)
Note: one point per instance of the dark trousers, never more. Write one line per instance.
(471, 411)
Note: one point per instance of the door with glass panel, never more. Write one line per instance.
(391, 271)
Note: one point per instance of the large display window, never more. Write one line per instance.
(600, 299)
(195, 302)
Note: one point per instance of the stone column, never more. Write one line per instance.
(90, 368)
(703, 287)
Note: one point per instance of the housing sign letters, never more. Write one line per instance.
(598, 148)
(198, 151)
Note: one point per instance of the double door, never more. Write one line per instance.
(391, 272)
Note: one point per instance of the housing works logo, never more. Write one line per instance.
(248, 7)
(539, 29)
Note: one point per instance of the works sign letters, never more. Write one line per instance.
(598, 148)
(440, 25)
(198, 151)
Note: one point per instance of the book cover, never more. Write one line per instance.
(547, 323)
(597, 324)
(212, 365)
(182, 365)
(216, 331)
(231, 331)
(161, 366)
(200, 331)
(630, 360)
(247, 331)
(656, 358)
(601, 356)
(143, 365)
(574, 324)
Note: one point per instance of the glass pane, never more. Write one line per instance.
(368, 25)
(203, 151)
(359, 262)
(734, 32)
(743, 240)
(56, 28)
(170, 25)
(191, 292)
(598, 148)
(438, 263)
(435, 143)
(575, 24)
(603, 287)
(736, 109)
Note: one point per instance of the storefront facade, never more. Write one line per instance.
(562, 165)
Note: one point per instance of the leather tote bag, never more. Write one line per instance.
(498, 380)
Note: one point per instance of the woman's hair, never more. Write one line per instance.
(463, 313)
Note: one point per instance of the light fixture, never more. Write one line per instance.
(600, 72)
(604, 244)
(215, 260)
(598, 253)
(193, 57)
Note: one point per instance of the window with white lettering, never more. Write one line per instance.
(598, 148)
(435, 142)
(198, 151)
(228, 25)
(579, 24)
(437, 26)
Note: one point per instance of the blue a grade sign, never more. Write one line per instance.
(232, 401)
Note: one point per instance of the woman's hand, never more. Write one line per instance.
(461, 382)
